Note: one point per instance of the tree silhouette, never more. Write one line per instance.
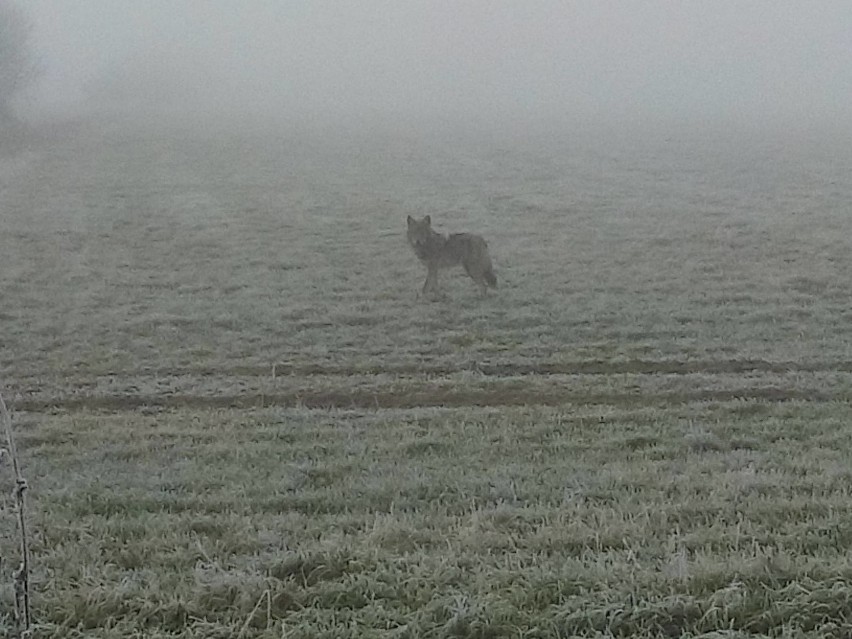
(18, 68)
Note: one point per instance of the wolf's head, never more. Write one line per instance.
(419, 233)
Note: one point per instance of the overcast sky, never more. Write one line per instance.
(618, 58)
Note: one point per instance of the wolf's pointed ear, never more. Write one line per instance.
(410, 220)
(428, 220)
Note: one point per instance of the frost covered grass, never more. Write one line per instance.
(239, 421)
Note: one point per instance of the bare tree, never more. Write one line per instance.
(18, 68)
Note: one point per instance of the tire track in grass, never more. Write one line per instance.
(342, 399)
(490, 369)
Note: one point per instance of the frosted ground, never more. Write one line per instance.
(237, 419)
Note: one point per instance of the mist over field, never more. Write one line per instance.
(239, 413)
(488, 63)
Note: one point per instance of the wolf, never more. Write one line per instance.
(436, 251)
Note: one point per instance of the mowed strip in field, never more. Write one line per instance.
(626, 383)
(237, 420)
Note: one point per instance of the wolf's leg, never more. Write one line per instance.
(431, 284)
(476, 275)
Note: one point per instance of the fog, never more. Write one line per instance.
(763, 60)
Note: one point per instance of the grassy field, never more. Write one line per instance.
(238, 420)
